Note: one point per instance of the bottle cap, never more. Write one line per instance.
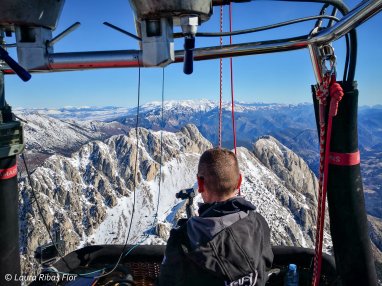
(292, 267)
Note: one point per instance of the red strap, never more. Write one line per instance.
(344, 159)
(232, 89)
(8, 173)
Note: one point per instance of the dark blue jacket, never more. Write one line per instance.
(228, 244)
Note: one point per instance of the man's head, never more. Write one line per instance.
(218, 175)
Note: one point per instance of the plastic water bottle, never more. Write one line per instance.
(291, 277)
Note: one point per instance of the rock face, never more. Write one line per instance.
(375, 231)
(299, 187)
(289, 206)
(79, 193)
(89, 195)
(290, 168)
(46, 136)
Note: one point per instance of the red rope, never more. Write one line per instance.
(322, 94)
(330, 87)
(221, 81)
(232, 87)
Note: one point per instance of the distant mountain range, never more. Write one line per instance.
(293, 125)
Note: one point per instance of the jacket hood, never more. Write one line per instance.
(221, 238)
(229, 206)
(215, 217)
(200, 230)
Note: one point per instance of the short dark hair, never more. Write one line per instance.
(219, 169)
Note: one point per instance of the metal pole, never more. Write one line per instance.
(9, 216)
(316, 62)
(94, 60)
(130, 58)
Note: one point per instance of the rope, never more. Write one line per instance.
(328, 87)
(123, 254)
(232, 87)
(39, 209)
(136, 154)
(221, 82)
(161, 151)
(259, 29)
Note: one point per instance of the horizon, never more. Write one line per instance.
(156, 102)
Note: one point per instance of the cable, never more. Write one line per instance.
(351, 46)
(135, 246)
(134, 182)
(346, 59)
(161, 150)
(334, 12)
(322, 12)
(72, 272)
(221, 83)
(40, 213)
(346, 68)
(232, 85)
(318, 24)
(85, 275)
(123, 254)
(353, 56)
(343, 8)
(268, 27)
(134, 196)
(339, 4)
(137, 151)
(136, 162)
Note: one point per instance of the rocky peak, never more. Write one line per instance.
(90, 194)
(287, 165)
(77, 192)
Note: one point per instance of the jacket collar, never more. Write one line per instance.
(229, 206)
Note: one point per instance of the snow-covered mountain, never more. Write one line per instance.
(108, 199)
(292, 125)
(45, 135)
(89, 196)
(110, 113)
(87, 113)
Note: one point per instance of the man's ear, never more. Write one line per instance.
(200, 184)
(239, 182)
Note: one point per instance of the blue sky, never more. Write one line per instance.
(278, 77)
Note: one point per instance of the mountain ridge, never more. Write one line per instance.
(89, 195)
(87, 131)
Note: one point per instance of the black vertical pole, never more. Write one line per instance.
(9, 217)
(348, 222)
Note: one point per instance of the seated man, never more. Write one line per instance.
(228, 243)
